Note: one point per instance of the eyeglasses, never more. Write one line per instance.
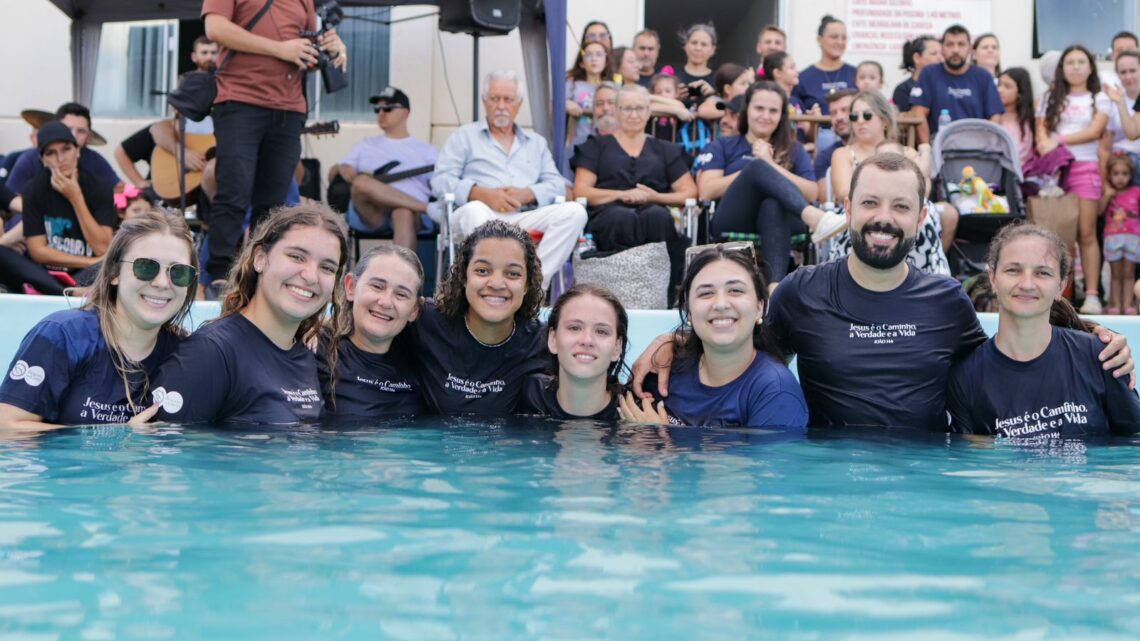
(387, 108)
(594, 55)
(595, 37)
(641, 109)
(867, 116)
(147, 269)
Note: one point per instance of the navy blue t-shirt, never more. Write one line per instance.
(970, 95)
(65, 373)
(815, 84)
(730, 154)
(30, 164)
(901, 96)
(873, 358)
(540, 396)
(765, 395)
(230, 371)
(1063, 393)
(823, 161)
(368, 384)
(458, 375)
(48, 213)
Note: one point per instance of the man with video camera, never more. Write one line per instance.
(260, 109)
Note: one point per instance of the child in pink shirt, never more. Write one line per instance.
(1121, 202)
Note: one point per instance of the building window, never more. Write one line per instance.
(366, 34)
(135, 68)
(1092, 23)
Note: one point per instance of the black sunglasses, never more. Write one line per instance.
(867, 116)
(386, 108)
(146, 270)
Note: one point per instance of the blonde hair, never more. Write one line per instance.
(882, 109)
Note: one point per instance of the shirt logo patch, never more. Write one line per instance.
(962, 92)
(33, 375)
(916, 92)
(171, 402)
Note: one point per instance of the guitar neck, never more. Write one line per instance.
(400, 175)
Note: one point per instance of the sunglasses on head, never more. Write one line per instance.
(867, 116)
(147, 269)
(385, 108)
(734, 242)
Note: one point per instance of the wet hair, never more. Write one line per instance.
(701, 26)
(1120, 158)
(783, 138)
(956, 30)
(613, 374)
(578, 72)
(883, 109)
(104, 293)
(913, 48)
(891, 163)
(978, 41)
(726, 74)
(1025, 113)
(826, 21)
(1059, 89)
(772, 62)
(244, 279)
(687, 346)
(451, 295)
(1061, 314)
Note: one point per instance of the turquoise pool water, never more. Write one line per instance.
(529, 529)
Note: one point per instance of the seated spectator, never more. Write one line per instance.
(872, 121)
(132, 203)
(764, 179)
(377, 204)
(917, 55)
(647, 45)
(629, 180)
(69, 218)
(770, 40)
(78, 119)
(987, 53)
(955, 86)
(731, 80)
(729, 124)
(780, 68)
(839, 109)
(135, 148)
(590, 68)
(498, 171)
(869, 76)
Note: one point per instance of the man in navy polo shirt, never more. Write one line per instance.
(963, 90)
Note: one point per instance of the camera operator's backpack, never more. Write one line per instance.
(194, 96)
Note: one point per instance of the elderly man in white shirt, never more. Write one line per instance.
(495, 169)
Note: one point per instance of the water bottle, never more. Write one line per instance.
(943, 118)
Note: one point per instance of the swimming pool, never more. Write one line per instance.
(530, 529)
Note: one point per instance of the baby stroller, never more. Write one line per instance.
(992, 152)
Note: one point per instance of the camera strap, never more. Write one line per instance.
(248, 27)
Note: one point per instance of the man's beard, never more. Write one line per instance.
(881, 258)
(955, 66)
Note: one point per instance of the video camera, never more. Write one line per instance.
(330, 15)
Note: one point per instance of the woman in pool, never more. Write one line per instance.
(587, 334)
(726, 370)
(94, 365)
(481, 338)
(1033, 379)
(364, 368)
(252, 364)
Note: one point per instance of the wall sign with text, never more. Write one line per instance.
(882, 26)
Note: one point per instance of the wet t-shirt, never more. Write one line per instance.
(65, 373)
(368, 384)
(458, 375)
(540, 396)
(765, 395)
(874, 358)
(230, 371)
(1063, 393)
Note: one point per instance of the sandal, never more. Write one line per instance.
(1129, 311)
(1112, 311)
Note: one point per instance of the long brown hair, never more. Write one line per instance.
(244, 279)
(451, 295)
(783, 138)
(1059, 90)
(104, 294)
(1062, 313)
(613, 383)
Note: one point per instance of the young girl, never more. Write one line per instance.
(94, 365)
(626, 67)
(1121, 204)
(363, 368)
(869, 76)
(587, 334)
(1074, 113)
(730, 80)
(1016, 92)
(1040, 375)
(592, 66)
(252, 364)
(131, 202)
(665, 87)
(726, 371)
(481, 339)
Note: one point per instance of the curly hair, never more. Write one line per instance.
(451, 295)
(1059, 90)
(613, 382)
(244, 279)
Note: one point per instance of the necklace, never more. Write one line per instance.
(499, 344)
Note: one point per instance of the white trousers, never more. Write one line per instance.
(561, 226)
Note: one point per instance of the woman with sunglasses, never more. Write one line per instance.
(872, 122)
(95, 364)
(252, 364)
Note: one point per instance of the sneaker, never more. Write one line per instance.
(831, 225)
(1092, 305)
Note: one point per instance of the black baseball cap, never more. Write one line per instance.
(391, 96)
(53, 131)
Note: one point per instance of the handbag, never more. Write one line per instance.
(196, 91)
(1058, 214)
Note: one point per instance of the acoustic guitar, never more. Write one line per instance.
(164, 166)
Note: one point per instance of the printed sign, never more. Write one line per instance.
(882, 26)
